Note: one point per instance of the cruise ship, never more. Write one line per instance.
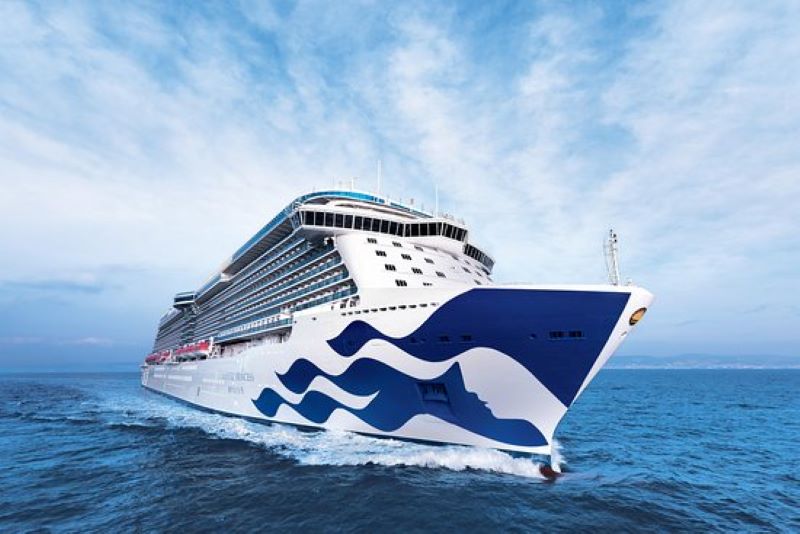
(354, 312)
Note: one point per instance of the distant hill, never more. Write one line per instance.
(704, 361)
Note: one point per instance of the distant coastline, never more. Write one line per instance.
(684, 361)
(704, 361)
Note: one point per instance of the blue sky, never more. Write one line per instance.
(141, 144)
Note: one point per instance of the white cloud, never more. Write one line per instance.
(89, 341)
(127, 140)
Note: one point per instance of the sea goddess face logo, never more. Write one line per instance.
(499, 319)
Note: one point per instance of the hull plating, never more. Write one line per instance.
(493, 367)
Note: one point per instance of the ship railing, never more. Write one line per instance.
(265, 283)
(329, 264)
(244, 274)
(338, 295)
(251, 286)
(249, 274)
(295, 295)
(260, 329)
(273, 254)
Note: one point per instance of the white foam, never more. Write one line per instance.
(557, 460)
(337, 448)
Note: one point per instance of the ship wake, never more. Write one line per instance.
(311, 447)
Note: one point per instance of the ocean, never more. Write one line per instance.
(645, 450)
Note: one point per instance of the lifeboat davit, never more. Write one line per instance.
(158, 357)
(193, 350)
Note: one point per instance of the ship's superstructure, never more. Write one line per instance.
(351, 311)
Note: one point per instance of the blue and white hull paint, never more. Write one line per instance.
(495, 366)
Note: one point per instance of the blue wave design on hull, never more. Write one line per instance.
(515, 322)
(399, 398)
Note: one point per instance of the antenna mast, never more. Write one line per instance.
(611, 251)
(380, 175)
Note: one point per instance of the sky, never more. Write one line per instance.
(142, 143)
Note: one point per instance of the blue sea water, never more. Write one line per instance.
(642, 450)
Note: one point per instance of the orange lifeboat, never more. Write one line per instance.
(194, 350)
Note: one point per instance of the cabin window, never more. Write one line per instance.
(416, 270)
(319, 218)
(358, 221)
(423, 230)
(577, 334)
(372, 240)
(339, 221)
(428, 260)
(376, 225)
(395, 243)
(384, 227)
(405, 256)
(444, 339)
(329, 219)
(380, 253)
(401, 283)
(427, 284)
(466, 270)
(366, 224)
(348, 221)
(440, 274)
(390, 267)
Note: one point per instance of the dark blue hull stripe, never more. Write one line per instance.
(398, 398)
(516, 322)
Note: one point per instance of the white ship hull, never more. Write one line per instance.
(482, 367)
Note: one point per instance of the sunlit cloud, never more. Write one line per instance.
(158, 137)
